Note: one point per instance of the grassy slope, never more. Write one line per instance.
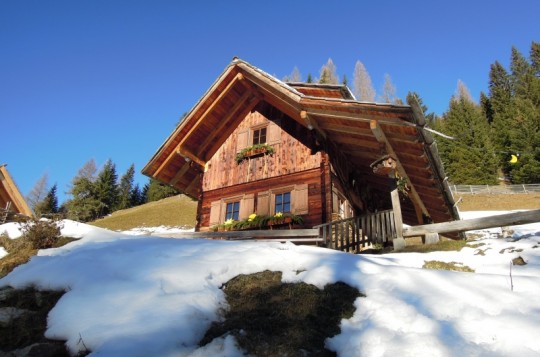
(179, 211)
(176, 211)
(499, 202)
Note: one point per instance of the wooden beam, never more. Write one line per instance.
(415, 198)
(238, 77)
(179, 174)
(360, 117)
(191, 156)
(225, 121)
(195, 181)
(509, 219)
(312, 124)
(165, 162)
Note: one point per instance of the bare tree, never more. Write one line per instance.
(362, 86)
(462, 92)
(295, 75)
(328, 73)
(389, 91)
(38, 192)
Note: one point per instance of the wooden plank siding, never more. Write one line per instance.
(311, 178)
(290, 156)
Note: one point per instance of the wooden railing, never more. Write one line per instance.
(356, 233)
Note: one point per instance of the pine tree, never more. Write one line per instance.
(469, 158)
(156, 190)
(535, 58)
(328, 73)
(49, 204)
(125, 189)
(83, 206)
(362, 86)
(515, 103)
(106, 189)
(136, 197)
(309, 78)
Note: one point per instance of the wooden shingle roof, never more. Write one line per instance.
(360, 132)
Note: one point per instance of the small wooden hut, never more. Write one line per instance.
(11, 199)
(320, 154)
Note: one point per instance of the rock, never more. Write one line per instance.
(6, 293)
(45, 349)
(8, 314)
(518, 261)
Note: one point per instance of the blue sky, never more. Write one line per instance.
(100, 80)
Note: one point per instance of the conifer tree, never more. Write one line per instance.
(106, 189)
(309, 78)
(362, 86)
(469, 158)
(125, 189)
(156, 190)
(49, 204)
(83, 206)
(328, 73)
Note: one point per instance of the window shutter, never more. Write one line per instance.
(300, 199)
(273, 135)
(242, 140)
(246, 206)
(263, 203)
(215, 213)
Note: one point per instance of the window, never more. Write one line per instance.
(232, 211)
(259, 136)
(283, 202)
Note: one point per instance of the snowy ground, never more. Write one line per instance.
(131, 295)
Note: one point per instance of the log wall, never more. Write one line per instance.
(316, 195)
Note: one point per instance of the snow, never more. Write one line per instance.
(133, 295)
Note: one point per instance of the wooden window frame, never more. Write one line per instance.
(254, 130)
(283, 202)
(232, 211)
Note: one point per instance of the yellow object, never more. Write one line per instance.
(514, 159)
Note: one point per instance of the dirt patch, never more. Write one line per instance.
(270, 318)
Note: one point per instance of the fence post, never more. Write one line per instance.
(399, 242)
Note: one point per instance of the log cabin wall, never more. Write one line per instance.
(256, 193)
(290, 156)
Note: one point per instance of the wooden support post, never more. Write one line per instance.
(399, 242)
(431, 238)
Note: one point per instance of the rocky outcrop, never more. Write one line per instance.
(23, 321)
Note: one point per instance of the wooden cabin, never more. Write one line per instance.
(322, 154)
(11, 199)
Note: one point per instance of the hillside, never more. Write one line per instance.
(486, 202)
(180, 211)
(176, 211)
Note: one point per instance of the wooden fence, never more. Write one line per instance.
(356, 233)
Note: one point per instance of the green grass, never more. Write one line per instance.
(271, 318)
(176, 211)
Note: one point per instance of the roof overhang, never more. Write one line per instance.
(9, 192)
(361, 132)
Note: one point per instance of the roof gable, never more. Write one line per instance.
(9, 192)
